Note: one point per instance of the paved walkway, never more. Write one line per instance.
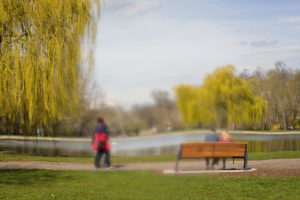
(274, 167)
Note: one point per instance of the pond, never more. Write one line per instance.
(150, 145)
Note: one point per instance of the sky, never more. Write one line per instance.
(145, 45)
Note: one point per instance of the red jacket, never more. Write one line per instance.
(100, 137)
(222, 139)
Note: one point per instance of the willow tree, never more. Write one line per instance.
(224, 100)
(41, 43)
(186, 100)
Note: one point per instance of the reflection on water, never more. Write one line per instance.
(47, 147)
(253, 146)
(155, 145)
(274, 145)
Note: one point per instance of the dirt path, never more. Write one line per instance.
(275, 167)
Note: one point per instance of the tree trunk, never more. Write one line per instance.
(284, 120)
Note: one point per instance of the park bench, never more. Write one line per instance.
(213, 150)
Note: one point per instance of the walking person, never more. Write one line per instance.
(100, 143)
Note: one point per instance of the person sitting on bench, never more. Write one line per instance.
(225, 137)
(212, 137)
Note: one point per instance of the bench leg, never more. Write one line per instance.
(176, 166)
(245, 159)
(178, 158)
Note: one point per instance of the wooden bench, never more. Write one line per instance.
(213, 150)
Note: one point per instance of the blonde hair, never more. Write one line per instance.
(225, 135)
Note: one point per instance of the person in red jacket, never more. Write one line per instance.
(100, 143)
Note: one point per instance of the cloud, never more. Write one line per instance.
(290, 20)
(137, 8)
(243, 43)
(259, 43)
(263, 43)
(266, 57)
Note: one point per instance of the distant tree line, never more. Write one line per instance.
(260, 100)
(280, 89)
(225, 99)
(160, 116)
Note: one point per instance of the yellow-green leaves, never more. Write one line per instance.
(224, 100)
(40, 72)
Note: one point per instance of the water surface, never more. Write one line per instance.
(151, 145)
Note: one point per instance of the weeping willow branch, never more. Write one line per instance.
(40, 54)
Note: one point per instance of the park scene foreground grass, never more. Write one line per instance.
(47, 184)
(143, 184)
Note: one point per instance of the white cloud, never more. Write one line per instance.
(160, 50)
(137, 8)
(263, 43)
(294, 19)
(260, 43)
(164, 57)
(266, 57)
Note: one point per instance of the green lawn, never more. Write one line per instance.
(296, 131)
(140, 185)
(11, 156)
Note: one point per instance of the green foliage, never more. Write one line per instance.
(187, 102)
(224, 100)
(140, 185)
(40, 59)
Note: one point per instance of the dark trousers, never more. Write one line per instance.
(99, 156)
(224, 163)
(215, 161)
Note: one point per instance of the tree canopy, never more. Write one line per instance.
(41, 42)
(280, 88)
(224, 99)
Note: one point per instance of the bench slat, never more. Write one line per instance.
(196, 154)
(228, 155)
(212, 149)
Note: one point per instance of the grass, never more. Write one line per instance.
(269, 131)
(237, 130)
(274, 155)
(11, 156)
(140, 185)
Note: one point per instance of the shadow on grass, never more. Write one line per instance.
(30, 176)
